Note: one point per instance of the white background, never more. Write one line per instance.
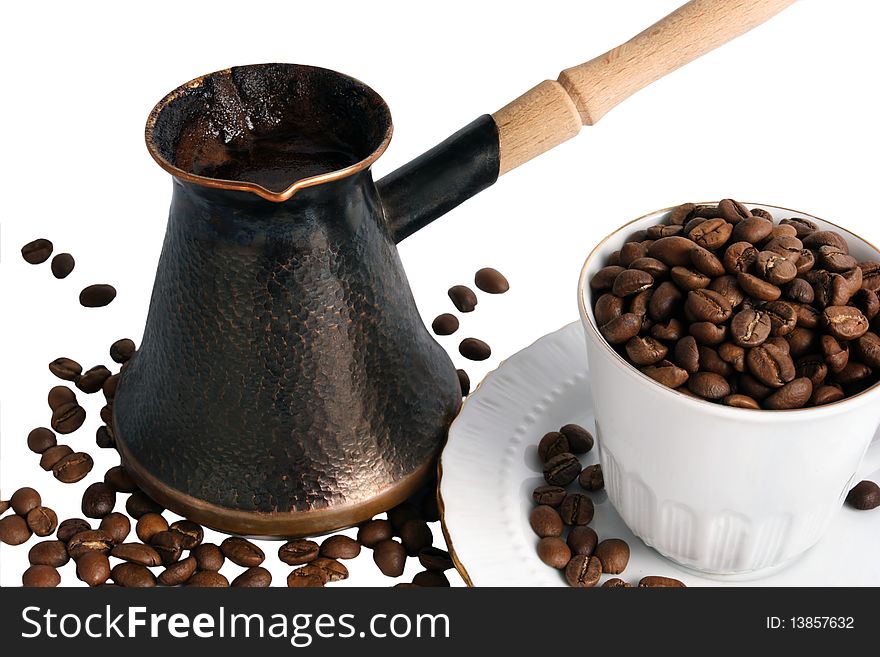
(785, 115)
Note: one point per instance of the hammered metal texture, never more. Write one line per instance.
(284, 366)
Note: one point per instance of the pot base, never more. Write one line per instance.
(295, 524)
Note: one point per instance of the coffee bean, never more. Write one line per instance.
(616, 583)
(608, 307)
(49, 553)
(758, 288)
(430, 578)
(621, 329)
(208, 556)
(122, 350)
(491, 281)
(708, 306)
(37, 252)
(820, 238)
(687, 354)
(591, 478)
(70, 528)
(582, 540)
(545, 521)
(708, 333)
(783, 317)
(712, 234)
(401, 514)
(844, 322)
(631, 281)
(445, 324)
(42, 521)
(242, 552)
(435, 559)
(803, 226)
(655, 581)
(307, 577)
(826, 394)
(253, 578)
(613, 554)
(60, 395)
(98, 500)
(132, 575)
(734, 211)
(24, 500)
(374, 532)
(752, 230)
(706, 262)
(867, 302)
(794, 394)
(92, 380)
(136, 553)
(73, 467)
(812, 367)
(62, 265)
(854, 372)
(689, 279)
(799, 290)
(463, 298)
(333, 569)
(139, 503)
(552, 444)
(189, 534)
(729, 288)
(733, 355)
(770, 365)
(836, 354)
(678, 215)
(67, 418)
(576, 509)
(43, 577)
(14, 530)
(96, 296)
(93, 568)
(774, 268)
(664, 302)
(583, 571)
(561, 469)
(301, 551)
(208, 579)
(708, 385)
(178, 573)
(415, 535)
(548, 495)
(4, 506)
(739, 258)
(65, 368)
(666, 373)
(474, 349)
(580, 440)
(554, 552)
(109, 387)
(117, 526)
(652, 266)
(645, 350)
(168, 545)
(119, 480)
(710, 361)
(870, 275)
(864, 496)
(669, 331)
(390, 557)
(41, 439)
(658, 231)
(801, 341)
(868, 349)
(104, 438)
(92, 540)
(604, 278)
(464, 382)
(673, 251)
(741, 401)
(150, 524)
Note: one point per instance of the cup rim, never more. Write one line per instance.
(588, 322)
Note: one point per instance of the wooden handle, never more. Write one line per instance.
(552, 112)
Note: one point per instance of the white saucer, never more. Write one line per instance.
(490, 466)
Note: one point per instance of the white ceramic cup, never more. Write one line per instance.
(719, 489)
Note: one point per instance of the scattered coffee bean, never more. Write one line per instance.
(137, 553)
(582, 540)
(254, 577)
(70, 528)
(62, 265)
(401, 514)
(109, 387)
(67, 418)
(43, 577)
(794, 394)
(117, 526)
(104, 438)
(415, 534)
(374, 532)
(208, 556)
(463, 298)
(583, 571)
(24, 500)
(390, 557)
(302, 551)
(864, 496)
(333, 569)
(431, 578)
(150, 524)
(307, 577)
(242, 552)
(42, 521)
(554, 552)
(545, 521)
(93, 568)
(92, 380)
(73, 467)
(167, 544)
(562, 469)
(655, 581)
(178, 573)
(189, 534)
(49, 553)
(208, 579)
(92, 540)
(340, 547)
(139, 503)
(53, 455)
(491, 281)
(98, 500)
(41, 439)
(119, 480)
(617, 583)
(591, 478)
(97, 296)
(576, 509)
(464, 381)
(548, 495)
(14, 530)
(613, 554)
(552, 444)
(445, 324)
(37, 252)
(435, 559)
(65, 368)
(122, 350)
(132, 575)
(474, 349)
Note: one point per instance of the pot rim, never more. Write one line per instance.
(592, 333)
(245, 186)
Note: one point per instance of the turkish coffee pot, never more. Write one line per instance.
(285, 384)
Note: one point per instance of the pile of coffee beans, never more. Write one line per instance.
(579, 553)
(465, 300)
(722, 303)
